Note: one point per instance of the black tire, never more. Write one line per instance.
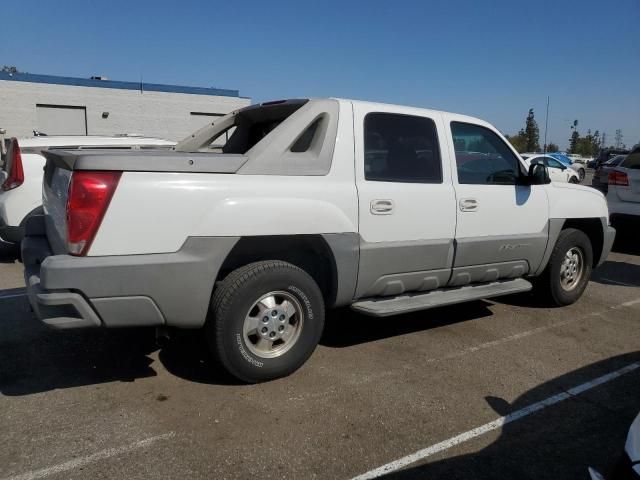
(232, 302)
(581, 174)
(574, 180)
(549, 285)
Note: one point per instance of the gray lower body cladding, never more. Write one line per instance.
(170, 289)
(392, 268)
(607, 244)
(345, 248)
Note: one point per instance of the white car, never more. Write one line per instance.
(579, 158)
(623, 195)
(557, 171)
(628, 466)
(308, 205)
(22, 172)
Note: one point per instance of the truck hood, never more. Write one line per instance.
(567, 200)
(579, 188)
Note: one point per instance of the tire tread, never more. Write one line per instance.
(544, 283)
(223, 295)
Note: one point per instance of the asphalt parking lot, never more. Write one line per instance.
(424, 394)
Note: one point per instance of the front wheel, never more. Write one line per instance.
(574, 180)
(265, 320)
(581, 174)
(568, 270)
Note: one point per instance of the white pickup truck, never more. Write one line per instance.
(22, 170)
(255, 225)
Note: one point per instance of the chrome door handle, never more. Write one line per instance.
(468, 204)
(381, 207)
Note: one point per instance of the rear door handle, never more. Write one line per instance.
(468, 204)
(382, 207)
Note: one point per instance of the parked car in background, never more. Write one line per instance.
(579, 158)
(627, 467)
(623, 196)
(566, 161)
(308, 205)
(22, 172)
(601, 175)
(558, 172)
(607, 154)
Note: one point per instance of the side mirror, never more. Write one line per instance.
(538, 174)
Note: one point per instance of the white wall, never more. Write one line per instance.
(158, 114)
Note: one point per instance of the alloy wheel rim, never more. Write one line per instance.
(571, 269)
(273, 324)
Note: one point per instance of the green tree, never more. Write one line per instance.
(519, 141)
(575, 137)
(552, 147)
(9, 69)
(532, 133)
(589, 145)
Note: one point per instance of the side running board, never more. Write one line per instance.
(386, 306)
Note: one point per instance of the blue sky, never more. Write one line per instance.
(492, 59)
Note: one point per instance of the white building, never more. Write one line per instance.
(78, 106)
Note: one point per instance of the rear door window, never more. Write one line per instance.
(401, 148)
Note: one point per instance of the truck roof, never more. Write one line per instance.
(373, 106)
(409, 109)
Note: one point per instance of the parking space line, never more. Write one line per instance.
(15, 295)
(82, 461)
(495, 424)
(528, 333)
(618, 282)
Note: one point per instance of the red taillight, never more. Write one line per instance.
(89, 197)
(618, 178)
(15, 171)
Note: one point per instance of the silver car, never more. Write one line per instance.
(623, 196)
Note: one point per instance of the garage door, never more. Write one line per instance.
(61, 120)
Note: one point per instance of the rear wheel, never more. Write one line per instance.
(265, 320)
(581, 174)
(568, 270)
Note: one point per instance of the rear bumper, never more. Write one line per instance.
(67, 308)
(171, 289)
(617, 207)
